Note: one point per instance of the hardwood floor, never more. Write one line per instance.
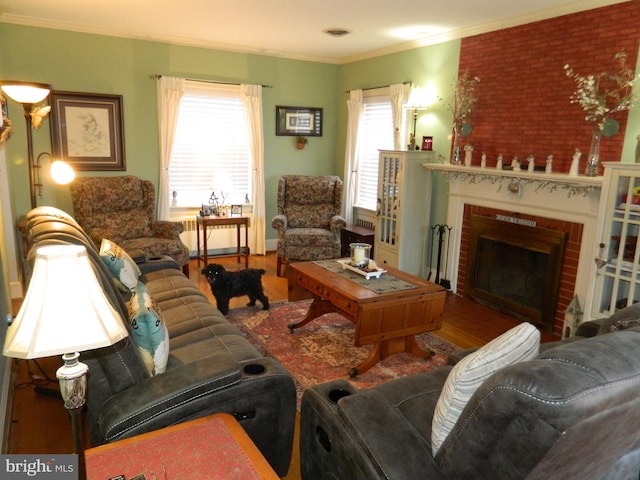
(40, 424)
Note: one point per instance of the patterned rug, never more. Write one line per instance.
(323, 349)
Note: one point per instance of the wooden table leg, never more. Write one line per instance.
(246, 245)
(385, 348)
(205, 249)
(238, 246)
(318, 308)
(373, 358)
(198, 241)
(413, 347)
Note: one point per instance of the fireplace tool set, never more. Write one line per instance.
(444, 234)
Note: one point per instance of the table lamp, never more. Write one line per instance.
(419, 99)
(64, 312)
(223, 183)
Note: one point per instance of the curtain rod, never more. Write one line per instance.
(408, 82)
(156, 77)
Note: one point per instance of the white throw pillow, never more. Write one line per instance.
(519, 344)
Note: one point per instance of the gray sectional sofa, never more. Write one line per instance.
(570, 413)
(211, 367)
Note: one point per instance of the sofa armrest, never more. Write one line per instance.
(360, 435)
(590, 328)
(175, 394)
(166, 228)
(279, 222)
(337, 223)
(258, 392)
(153, 264)
(97, 234)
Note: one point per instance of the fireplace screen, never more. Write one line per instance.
(515, 268)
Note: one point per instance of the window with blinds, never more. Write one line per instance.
(376, 132)
(211, 147)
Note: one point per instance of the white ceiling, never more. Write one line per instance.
(290, 28)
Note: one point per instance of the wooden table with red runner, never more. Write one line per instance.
(214, 447)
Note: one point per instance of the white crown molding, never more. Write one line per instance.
(173, 40)
(568, 8)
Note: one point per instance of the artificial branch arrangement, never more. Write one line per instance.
(464, 97)
(602, 94)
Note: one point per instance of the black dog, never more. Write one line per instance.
(226, 285)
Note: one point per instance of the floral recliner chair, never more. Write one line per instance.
(308, 220)
(122, 209)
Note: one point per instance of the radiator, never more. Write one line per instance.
(364, 218)
(220, 239)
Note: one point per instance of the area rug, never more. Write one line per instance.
(323, 349)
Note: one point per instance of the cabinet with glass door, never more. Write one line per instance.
(618, 276)
(402, 210)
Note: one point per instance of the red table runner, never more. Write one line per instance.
(204, 450)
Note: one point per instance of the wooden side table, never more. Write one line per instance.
(214, 221)
(211, 447)
(355, 234)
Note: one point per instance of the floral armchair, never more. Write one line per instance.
(308, 220)
(122, 209)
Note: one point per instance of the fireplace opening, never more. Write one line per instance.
(515, 268)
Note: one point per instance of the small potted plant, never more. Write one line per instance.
(301, 142)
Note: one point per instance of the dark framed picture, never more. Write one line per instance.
(299, 121)
(87, 130)
(236, 210)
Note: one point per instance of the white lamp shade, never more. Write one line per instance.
(25, 92)
(64, 310)
(420, 98)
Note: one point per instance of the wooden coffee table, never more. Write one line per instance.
(390, 321)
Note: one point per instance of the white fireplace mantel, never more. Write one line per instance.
(551, 195)
(541, 181)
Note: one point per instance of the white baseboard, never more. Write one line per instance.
(271, 245)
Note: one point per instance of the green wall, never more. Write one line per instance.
(78, 62)
(101, 64)
(435, 67)
(92, 63)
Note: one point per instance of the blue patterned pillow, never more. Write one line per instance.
(120, 265)
(149, 332)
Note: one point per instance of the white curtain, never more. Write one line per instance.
(170, 91)
(397, 93)
(355, 108)
(252, 101)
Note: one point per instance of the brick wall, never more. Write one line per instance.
(523, 106)
(569, 261)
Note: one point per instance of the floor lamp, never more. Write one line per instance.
(28, 94)
(65, 312)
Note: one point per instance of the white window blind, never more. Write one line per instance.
(376, 132)
(211, 147)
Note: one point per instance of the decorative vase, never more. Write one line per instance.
(456, 154)
(593, 160)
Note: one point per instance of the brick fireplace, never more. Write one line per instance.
(565, 262)
(556, 202)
